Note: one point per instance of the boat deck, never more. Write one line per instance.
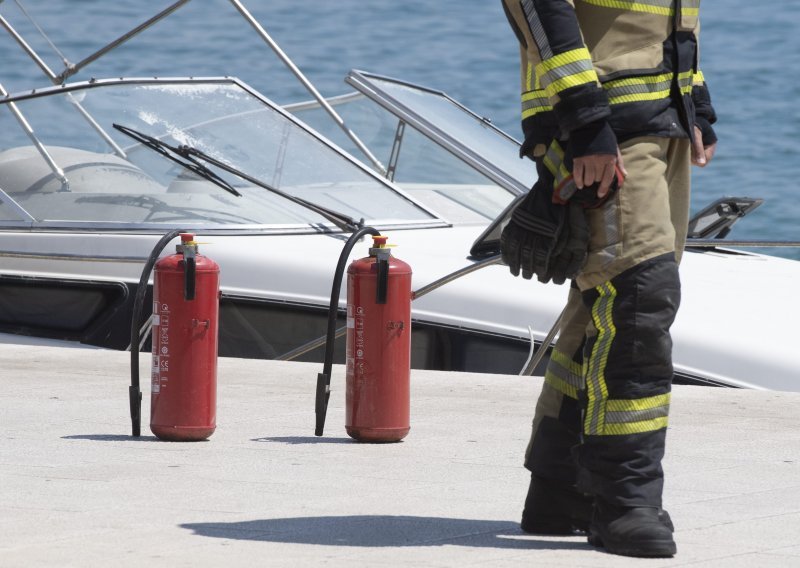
(77, 490)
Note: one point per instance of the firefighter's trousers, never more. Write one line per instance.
(601, 418)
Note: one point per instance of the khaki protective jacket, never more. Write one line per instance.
(598, 72)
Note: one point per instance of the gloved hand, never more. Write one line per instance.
(545, 238)
(531, 235)
(570, 254)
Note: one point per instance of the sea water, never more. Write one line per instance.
(750, 55)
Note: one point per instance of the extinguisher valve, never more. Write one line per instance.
(379, 247)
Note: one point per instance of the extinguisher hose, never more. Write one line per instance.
(134, 391)
(324, 378)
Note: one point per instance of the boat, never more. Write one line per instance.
(94, 173)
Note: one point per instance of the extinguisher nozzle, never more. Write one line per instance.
(321, 403)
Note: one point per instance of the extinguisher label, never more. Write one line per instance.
(357, 354)
(160, 347)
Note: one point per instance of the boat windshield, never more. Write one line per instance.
(85, 170)
(436, 149)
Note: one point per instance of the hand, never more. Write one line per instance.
(701, 155)
(597, 168)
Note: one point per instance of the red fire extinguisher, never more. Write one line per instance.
(183, 397)
(378, 346)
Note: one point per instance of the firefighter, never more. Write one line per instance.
(614, 111)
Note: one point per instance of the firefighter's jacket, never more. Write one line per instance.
(597, 72)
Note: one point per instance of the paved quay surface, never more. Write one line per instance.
(77, 490)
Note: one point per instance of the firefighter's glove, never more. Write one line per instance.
(529, 240)
(570, 254)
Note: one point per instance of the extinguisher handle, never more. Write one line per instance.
(189, 278)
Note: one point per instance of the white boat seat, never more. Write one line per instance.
(23, 170)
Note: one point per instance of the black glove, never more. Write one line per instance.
(570, 253)
(545, 238)
(529, 238)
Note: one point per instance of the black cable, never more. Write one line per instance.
(324, 378)
(134, 391)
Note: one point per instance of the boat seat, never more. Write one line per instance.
(24, 171)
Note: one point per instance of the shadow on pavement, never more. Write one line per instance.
(294, 440)
(111, 438)
(385, 530)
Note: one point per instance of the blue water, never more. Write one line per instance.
(750, 56)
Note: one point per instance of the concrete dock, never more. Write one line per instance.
(77, 490)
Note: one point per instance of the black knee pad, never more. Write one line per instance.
(635, 310)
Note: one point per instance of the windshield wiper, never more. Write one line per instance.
(170, 152)
(191, 154)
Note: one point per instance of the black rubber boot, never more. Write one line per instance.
(632, 531)
(554, 509)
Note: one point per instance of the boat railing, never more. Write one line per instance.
(73, 68)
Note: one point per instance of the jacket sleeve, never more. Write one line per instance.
(704, 111)
(558, 77)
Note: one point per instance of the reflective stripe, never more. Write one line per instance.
(534, 102)
(661, 7)
(698, 78)
(564, 374)
(619, 91)
(596, 390)
(554, 161)
(648, 88)
(690, 7)
(635, 427)
(569, 69)
(537, 29)
(637, 416)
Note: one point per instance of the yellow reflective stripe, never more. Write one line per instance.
(596, 390)
(635, 427)
(554, 161)
(690, 7)
(622, 405)
(564, 374)
(560, 385)
(530, 77)
(698, 78)
(636, 416)
(534, 102)
(580, 55)
(646, 88)
(572, 367)
(652, 96)
(569, 69)
(583, 78)
(660, 7)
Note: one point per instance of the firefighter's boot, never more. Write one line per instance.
(555, 509)
(632, 531)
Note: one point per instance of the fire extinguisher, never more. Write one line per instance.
(378, 346)
(183, 394)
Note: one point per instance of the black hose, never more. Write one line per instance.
(324, 378)
(134, 391)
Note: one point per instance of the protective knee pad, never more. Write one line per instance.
(633, 313)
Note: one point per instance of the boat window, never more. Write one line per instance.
(107, 177)
(423, 168)
(469, 136)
